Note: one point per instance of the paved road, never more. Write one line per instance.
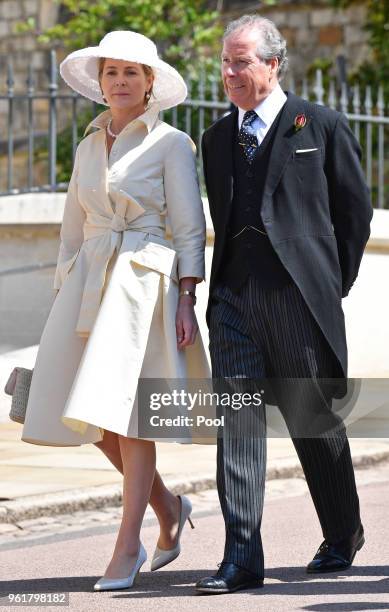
(68, 553)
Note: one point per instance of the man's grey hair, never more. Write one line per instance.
(270, 42)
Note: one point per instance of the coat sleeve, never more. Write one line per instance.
(185, 207)
(351, 210)
(71, 233)
(204, 155)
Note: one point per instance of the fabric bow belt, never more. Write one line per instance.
(110, 230)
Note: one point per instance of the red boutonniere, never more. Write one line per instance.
(300, 122)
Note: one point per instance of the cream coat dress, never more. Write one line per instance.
(113, 319)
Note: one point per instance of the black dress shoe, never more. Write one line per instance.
(338, 556)
(229, 578)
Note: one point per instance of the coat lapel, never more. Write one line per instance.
(224, 162)
(285, 142)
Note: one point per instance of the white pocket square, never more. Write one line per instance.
(306, 150)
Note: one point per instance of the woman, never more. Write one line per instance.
(125, 303)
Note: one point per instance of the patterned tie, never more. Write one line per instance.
(246, 137)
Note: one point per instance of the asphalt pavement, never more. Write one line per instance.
(68, 559)
(60, 510)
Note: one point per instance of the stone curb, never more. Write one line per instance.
(94, 498)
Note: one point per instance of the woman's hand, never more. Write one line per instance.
(186, 322)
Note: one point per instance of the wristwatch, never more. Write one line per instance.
(191, 293)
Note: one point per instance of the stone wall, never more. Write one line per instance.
(313, 30)
(23, 50)
(23, 47)
(25, 298)
(29, 235)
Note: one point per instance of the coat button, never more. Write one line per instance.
(249, 191)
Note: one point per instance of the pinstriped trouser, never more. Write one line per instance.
(259, 333)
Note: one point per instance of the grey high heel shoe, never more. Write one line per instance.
(113, 584)
(163, 557)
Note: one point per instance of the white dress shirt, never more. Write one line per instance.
(267, 111)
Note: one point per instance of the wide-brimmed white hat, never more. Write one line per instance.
(80, 69)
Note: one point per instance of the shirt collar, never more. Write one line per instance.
(268, 109)
(148, 118)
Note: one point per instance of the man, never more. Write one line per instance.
(291, 215)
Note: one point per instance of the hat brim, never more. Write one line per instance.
(80, 71)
